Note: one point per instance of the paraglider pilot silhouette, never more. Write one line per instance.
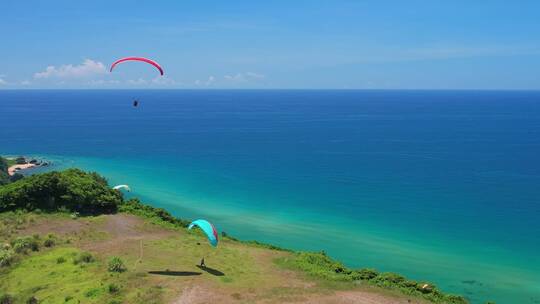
(141, 59)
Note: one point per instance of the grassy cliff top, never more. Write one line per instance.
(159, 266)
(128, 252)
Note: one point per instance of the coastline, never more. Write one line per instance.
(16, 168)
(315, 264)
(123, 171)
(21, 163)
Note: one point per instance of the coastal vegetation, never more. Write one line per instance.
(11, 161)
(87, 261)
(18, 163)
(322, 266)
(158, 216)
(72, 190)
(4, 165)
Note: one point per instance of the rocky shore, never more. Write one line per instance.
(22, 163)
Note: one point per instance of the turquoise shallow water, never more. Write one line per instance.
(441, 186)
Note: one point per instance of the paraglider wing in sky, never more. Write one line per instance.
(149, 61)
(209, 230)
(122, 187)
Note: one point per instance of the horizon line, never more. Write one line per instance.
(263, 89)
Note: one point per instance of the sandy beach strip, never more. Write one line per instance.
(13, 169)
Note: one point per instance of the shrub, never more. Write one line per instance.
(15, 177)
(367, 274)
(6, 257)
(83, 257)
(60, 260)
(32, 300)
(390, 278)
(6, 299)
(260, 244)
(410, 284)
(453, 299)
(113, 288)
(134, 206)
(92, 293)
(116, 265)
(319, 264)
(50, 241)
(23, 244)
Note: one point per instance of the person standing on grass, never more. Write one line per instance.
(209, 230)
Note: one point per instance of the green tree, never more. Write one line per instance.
(72, 189)
(4, 177)
(15, 177)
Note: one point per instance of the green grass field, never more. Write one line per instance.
(160, 262)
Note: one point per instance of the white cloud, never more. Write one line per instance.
(88, 68)
(237, 77)
(139, 81)
(164, 81)
(244, 77)
(25, 83)
(208, 82)
(102, 82)
(3, 82)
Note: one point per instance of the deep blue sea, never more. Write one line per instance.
(441, 186)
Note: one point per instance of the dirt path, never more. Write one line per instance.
(201, 295)
(356, 297)
(102, 233)
(59, 226)
(121, 228)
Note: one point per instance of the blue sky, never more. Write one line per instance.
(272, 44)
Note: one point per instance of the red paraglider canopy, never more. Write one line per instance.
(152, 62)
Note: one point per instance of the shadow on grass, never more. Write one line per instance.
(211, 271)
(176, 273)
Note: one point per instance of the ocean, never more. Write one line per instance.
(442, 186)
